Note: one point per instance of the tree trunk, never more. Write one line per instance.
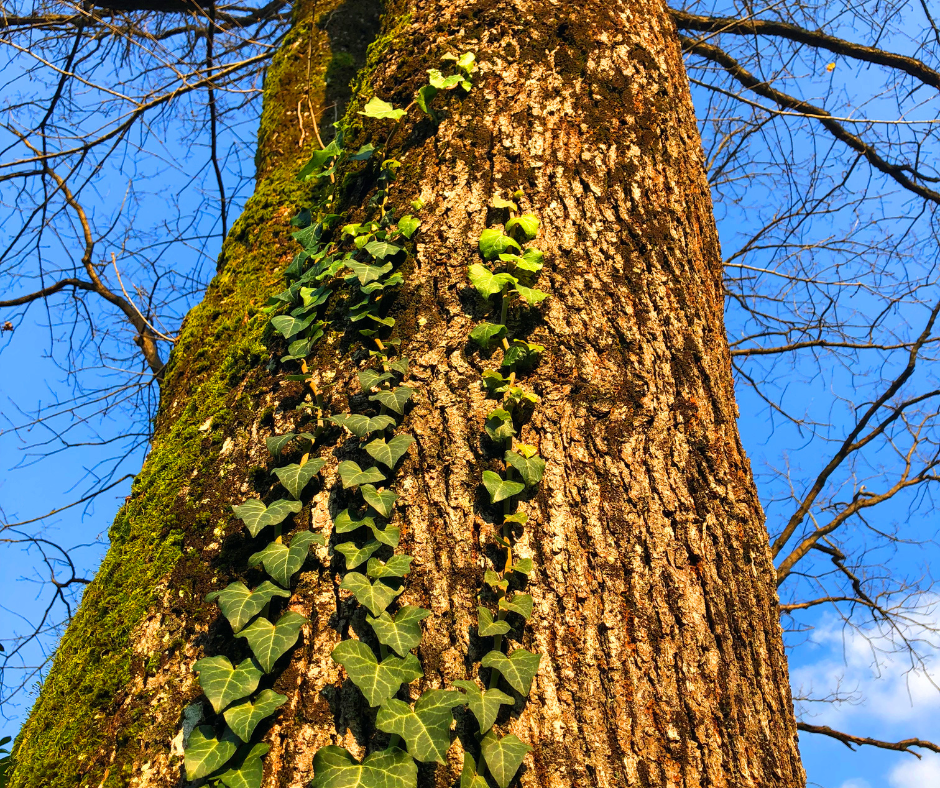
(654, 599)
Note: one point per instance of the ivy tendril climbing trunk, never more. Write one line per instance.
(649, 605)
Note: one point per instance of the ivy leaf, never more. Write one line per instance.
(401, 633)
(396, 566)
(487, 333)
(244, 717)
(369, 378)
(439, 81)
(529, 468)
(530, 295)
(356, 555)
(391, 452)
(365, 152)
(377, 681)
(239, 605)
(518, 669)
(495, 580)
(344, 522)
(360, 426)
(382, 110)
(526, 226)
(518, 603)
(521, 354)
(382, 249)
(408, 225)
(380, 500)
(318, 159)
(424, 98)
(494, 382)
(288, 326)
(522, 567)
(400, 366)
(467, 62)
(486, 282)
(224, 684)
(334, 767)
(247, 771)
(499, 202)
(519, 517)
(270, 641)
(499, 488)
(395, 399)
(469, 777)
(206, 754)
(391, 535)
(426, 730)
(487, 627)
(256, 515)
(498, 425)
(375, 597)
(314, 297)
(352, 475)
(295, 477)
(494, 242)
(276, 443)
(503, 756)
(366, 273)
(484, 704)
(282, 562)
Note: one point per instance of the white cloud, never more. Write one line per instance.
(856, 782)
(916, 774)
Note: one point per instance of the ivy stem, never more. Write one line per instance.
(503, 309)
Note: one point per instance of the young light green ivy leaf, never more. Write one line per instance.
(401, 633)
(529, 468)
(395, 400)
(378, 681)
(381, 500)
(334, 767)
(246, 771)
(503, 756)
(494, 242)
(530, 295)
(519, 517)
(381, 110)
(486, 626)
(223, 684)
(408, 225)
(256, 515)
(282, 562)
(245, 716)
(205, 753)
(356, 555)
(288, 326)
(373, 596)
(467, 62)
(239, 605)
(499, 488)
(389, 453)
(426, 730)
(494, 382)
(484, 704)
(353, 476)
(314, 297)
(369, 378)
(382, 249)
(486, 282)
(518, 668)
(360, 426)
(518, 603)
(525, 226)
(522, 567)
(498, 425)
(468, 776)
(270, 641)
(396, 566)
(486, 334)
(495, 580)
(437, 80)
(295, 477)
(424, 97)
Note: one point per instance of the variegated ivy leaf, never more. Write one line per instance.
(377, 681)
(205, 753)
(282, 562)
(486, 282)
(256, 515)
(494, 242)
(484, 704)
(530, 295)
(382, 110)
(247, 771)
(288, 326)
(396, 566)
(370, 378)
(503, 756)
(499, 488)
(360, 426)
(498, 425)
(394, 399)
(469, 777)
(529, 468)
(525, 226)
(518, 668)
(270, 641)
(239, 605)
(408, 225)
(334, 767)
(245, 716)
(382, 249)
(223, 684)
(487, 627)
(401, 633)
(390, 452)
(381, 500)
(426, 730)
(376, 597)
(517, 603)
(366, 273)
(356, 555)
(295, 477)
(352, 475)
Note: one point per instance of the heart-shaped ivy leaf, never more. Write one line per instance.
(401, 633)
(364, 153)
(487, 627)
(499, 488)
(494, 382)
(518, 669)
(381, 500)
(495, 580)
(270, 641)
(352, 475)
(239, 605)
(390, 535)
(256, 515)
(276, 443)
(424, 98)
(288, 326)
(494, 242)
(486, 334)
(295, 477)
(503, 756)
(369, 378)
(469, 777)
(517, 603)
(523, 566)
(223, 684)
(389, 453)
(484, 704)
(395, 399)
(529, 468)
(382, 249)
(498, 425)
(525, 226)
(486, 282)
(400, 366)
(376, 597)
(377, 681)
(408, 225)
(426, 730)
(282, 562)
(334, 767)
(396, 566)
(356, 555)
(530, 295)
(381, 110)
(345, 523)
(205, 753)
(366, 273)
(360, 426)
(246, 771)
(244, 717)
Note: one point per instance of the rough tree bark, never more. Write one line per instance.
(655, 606)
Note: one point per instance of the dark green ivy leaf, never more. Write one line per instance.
(503, 756)
(270, 641)
(374, 596)
(334, 767)
(395, 399)
(256, 515)
(360, 426)
(295, 477)
(487, 627)
(352, 475)
(380, 500)
(223, 684)
(239, 605)
(518, 668)
(484, 704)
(378, 681)
(487, 333)
(426, 729)
(205, 753)
(389, 453)
(401, 633)
(356, 555)
(245, 716)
